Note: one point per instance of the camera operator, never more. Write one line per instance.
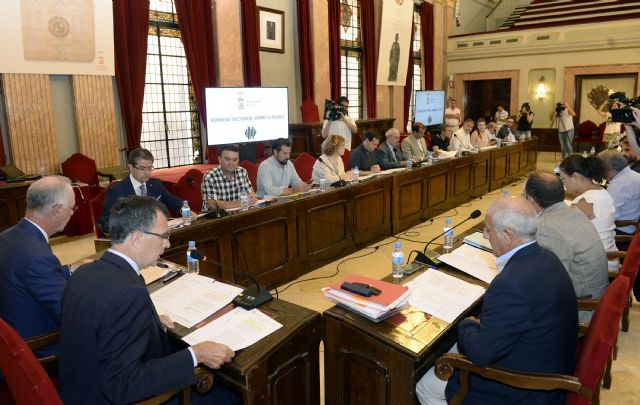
(564, 118)
(337, 120)
(612, 129)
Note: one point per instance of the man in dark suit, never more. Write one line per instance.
(139, 182)
(113, 345)
(31, 277)
(528, 320)
(389, 154)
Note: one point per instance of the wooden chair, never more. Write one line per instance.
(304, 166)
(29, 383)
(79, 167)
(585, 132)
(592, 354)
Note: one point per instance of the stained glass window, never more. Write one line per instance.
(170, 117)
(351, 56)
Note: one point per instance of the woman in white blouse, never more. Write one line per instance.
(330, 165)
(583, 176)
(481, 137)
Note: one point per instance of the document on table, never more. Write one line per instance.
(237, 329)
(442, 295)
(152, 273)
(478, 241)
(192, 298)
(473, 261)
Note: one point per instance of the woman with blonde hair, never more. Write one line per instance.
(330, 165)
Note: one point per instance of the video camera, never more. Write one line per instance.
(560, 107)
(336, 111)
(623, 114)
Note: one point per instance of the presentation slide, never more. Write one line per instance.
(246, 114)
(430, 107)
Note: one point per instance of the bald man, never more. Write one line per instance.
(31, 277)
(529, 318)
(389, 154)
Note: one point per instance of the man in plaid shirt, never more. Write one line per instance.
(222, 186)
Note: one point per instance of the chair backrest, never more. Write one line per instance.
(97, 211)
(586, 128)
(600, 338)
(252, 171)
(632, 260)
(304, 166)
(79, 167)
(27, 380)
(345, 159)
(188, 188)
(309, 111)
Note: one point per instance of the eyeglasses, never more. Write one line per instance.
(143, 168)
(164, 236)
(74, 208)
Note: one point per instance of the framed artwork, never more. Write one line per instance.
(271, 30)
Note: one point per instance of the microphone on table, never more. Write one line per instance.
(338, 183)
(429, 257)
(466, 149)
(218, 212)
(251, 297)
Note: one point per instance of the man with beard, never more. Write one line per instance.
(277, 175)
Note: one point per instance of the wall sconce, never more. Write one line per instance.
(541, 91)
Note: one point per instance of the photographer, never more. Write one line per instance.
(612, 129)
(564, 117)
(337, 120)
(524, 121)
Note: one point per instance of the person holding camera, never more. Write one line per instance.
(337, 120)
(564, 117)
(612, 129)
(525, 119)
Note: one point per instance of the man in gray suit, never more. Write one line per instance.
(569, 234)
(389, 154)
(414, 146)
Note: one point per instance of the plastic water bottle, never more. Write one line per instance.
(476, 147)
(592, 151)
(397, 262)
(185, 211)
(448, 235)
(429, 159)
(193, 265)
(323, 183)
(409, 164)
(556, 170)
(505, 193)
(356, 174)
(244, 200)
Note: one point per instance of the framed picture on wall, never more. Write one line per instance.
(271, 30)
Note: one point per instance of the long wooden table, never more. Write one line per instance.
(380, 363)
(282, 368)
(287, 239)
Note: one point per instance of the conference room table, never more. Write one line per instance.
(293, 236)
(380, 363)
(282, 368)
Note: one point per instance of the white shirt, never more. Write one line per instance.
(604, 215)
(502, 261)
(460, 137)
(624, 188)
(565, 121)
(339, 127)
(136, 185)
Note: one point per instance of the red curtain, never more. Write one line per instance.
(408, 83)
(369, 54)
(196, 29)
(305, 49)
(130, 31)
(250, 44)
(426, 20)
(334, 48)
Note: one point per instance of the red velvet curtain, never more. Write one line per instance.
(3, 157)
(369, 54)
(305, 49)
(250, 43)
(334, 48)
(130, 31)
(408, 83)
(196, 29)
(426, 20)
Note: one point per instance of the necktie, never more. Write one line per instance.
(143, 190)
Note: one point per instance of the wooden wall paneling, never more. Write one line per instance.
(515, 153)
(408, 199)
(462, 180)
(371, 212)
(480, 174)
(210, 247)
(438, 189)
(30, 122)
(95, 118)
(499, 165)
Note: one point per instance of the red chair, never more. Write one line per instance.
(188, 188)
(81, 168)
(252, 171)
(304, 166)
(592, 353)
(309, 111)
(97, 211)
(585, 132)
(345, 159)
(25, 377)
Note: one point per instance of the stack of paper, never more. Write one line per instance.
(237, 329)
(476, 262)
(192, 298)
(376, 307)
(442, 295)
(478, 241)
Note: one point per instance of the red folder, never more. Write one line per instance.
(390, 295)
